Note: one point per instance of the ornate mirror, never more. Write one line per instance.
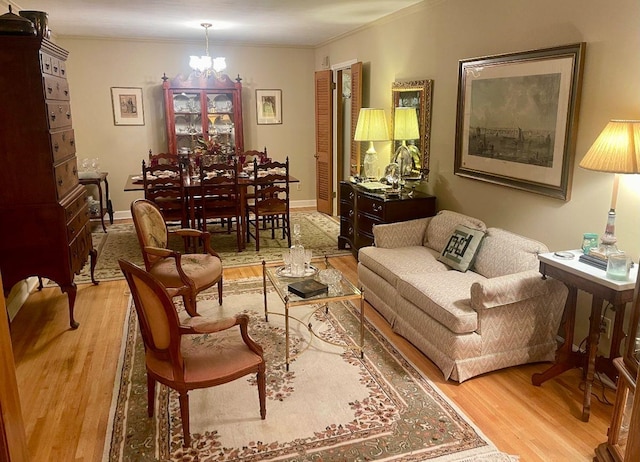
(415, 94)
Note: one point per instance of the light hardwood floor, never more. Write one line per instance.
(66, 380)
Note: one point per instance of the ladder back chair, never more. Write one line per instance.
(220, 196)
(164, 186)
(270, 203)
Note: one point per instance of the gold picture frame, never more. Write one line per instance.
(269, 107)
(127, 106)
(417, 94)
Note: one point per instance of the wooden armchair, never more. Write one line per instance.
(185, 275)
(198, 366)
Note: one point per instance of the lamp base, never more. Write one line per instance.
(370, 164)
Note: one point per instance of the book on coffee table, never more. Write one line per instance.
(307, 288)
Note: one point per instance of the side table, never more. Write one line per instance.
(580, 276)
(97, 179)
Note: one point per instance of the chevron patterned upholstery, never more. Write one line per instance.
(500, 313)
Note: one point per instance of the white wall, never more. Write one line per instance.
(426, 42)
(94, 66)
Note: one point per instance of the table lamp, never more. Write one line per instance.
(616, 150)
(405, 127)
(371, 126)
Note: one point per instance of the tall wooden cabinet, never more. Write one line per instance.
(206, 108)
(44, 214)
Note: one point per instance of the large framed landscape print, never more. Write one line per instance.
(517, 118)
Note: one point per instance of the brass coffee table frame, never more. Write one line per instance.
(348, 292)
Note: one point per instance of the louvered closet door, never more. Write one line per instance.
(324, 141)
(356, 104)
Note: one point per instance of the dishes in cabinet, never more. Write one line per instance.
(219, 103)
(186, 103)
(222, 124)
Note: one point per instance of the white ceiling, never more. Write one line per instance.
(272, 22)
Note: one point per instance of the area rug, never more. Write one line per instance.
(319, 232)
(330, 406)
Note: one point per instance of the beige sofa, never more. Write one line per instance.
(497, 314)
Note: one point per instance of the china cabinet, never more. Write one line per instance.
(623, 442)
(203, 108)
(43, 209)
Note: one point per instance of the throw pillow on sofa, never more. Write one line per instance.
(461, 248)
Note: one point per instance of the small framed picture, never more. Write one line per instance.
(127, 106)
(269, 107)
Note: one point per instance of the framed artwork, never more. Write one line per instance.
(517, 119)
(127, 106)
(269, 107)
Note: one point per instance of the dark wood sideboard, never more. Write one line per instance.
(44, 214)
(360, 210)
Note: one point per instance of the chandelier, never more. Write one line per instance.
(204, 64)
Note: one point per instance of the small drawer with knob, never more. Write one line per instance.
(56, 88)
(59, 114)
(63, 145)
(66, 177)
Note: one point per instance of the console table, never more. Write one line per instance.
(361, 209)
(581, 276)
(105, 203)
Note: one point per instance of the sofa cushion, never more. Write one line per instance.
(445, 296)
(461, 248)
(503, 252)
(391, 263)
(442, 225)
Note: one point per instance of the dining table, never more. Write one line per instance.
(192, 185)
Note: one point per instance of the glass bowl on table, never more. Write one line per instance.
(332, 278)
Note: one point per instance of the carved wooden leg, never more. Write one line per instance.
(262, 391)
(220, 292)
(93, 254)
(151, 395)
(592, 349)
(71, 290)
(184, 414)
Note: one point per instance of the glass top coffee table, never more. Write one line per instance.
(342, 290)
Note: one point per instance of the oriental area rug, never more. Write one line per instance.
(332, 405)
(319, 233)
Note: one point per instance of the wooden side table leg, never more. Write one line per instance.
(592, 350)
(565, 357)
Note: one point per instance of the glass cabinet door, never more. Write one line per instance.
(188, 120)
(220, 112)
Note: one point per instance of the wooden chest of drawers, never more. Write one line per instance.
(360, 210)
(44, 214)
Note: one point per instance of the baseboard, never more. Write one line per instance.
(19, 294)
(126, 214)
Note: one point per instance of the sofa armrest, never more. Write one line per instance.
(510, 288)
(401, 234)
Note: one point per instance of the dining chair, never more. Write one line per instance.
(163, 158)
(247, 157)
(220, 197)
(270, 203)
(164, 186)
(175, 358)
(187, 274)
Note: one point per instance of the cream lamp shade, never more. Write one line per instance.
(405, 124)
(616, 150)
(371, 126)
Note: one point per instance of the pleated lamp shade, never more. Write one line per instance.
(405, 124)
(616, 150)
(372, 125)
